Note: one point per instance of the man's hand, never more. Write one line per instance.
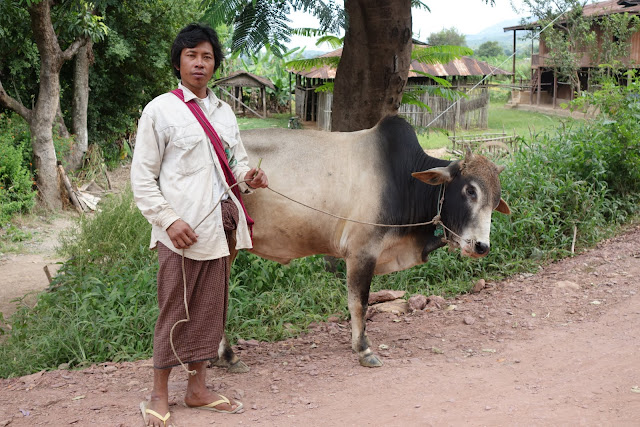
(181, 235)
(257, 178)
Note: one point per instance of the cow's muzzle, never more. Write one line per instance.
(475, 249)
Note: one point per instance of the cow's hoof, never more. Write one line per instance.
(238, 368)
(370, 361)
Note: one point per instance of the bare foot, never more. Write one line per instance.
(161, 407)
(205, 397)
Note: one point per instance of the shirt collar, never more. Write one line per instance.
(188, 95)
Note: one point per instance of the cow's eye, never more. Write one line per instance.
(471, 192)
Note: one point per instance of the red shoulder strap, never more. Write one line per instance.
(217, 147)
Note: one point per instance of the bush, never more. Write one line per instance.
(16, 181)
(611, 147)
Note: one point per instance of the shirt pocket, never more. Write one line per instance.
(191, 151)
(229, 141)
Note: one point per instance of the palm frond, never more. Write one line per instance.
(334, 41)
(309, 63)
(221, 12)
(439, 80)
(413, 96)
(308, 32)
(325, 87)
(419, 4)
(330, 14)
(446, 93)
(259, 23)
(439, 54)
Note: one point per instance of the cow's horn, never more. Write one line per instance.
(500, 168)
(469, 154)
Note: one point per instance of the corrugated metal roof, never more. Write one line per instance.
(464, 66)
(229, 80)
(324, 72)
(603, 8)
(609, 8)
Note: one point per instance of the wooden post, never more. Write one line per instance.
(263, 92)
(48, 274)
(513, 78)
(235, 97)
(531, 86)
(555, 87)
(539, 85)
(67, 185)
(290, 107)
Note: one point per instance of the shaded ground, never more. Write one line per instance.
(556, 348)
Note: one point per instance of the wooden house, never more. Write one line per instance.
(545, 88)
(470, 112)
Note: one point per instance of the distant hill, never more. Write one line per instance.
(493, 33)
(309, 53)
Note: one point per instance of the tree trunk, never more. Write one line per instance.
(63, 132)
(83, 61)
(41, 124)
(46, 106)
(375, 63)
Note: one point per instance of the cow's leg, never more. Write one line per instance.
(359, 274)
(228, 359)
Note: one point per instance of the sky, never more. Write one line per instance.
(468, 16)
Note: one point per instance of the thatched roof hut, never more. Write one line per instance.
(240, 79)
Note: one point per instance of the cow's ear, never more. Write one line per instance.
(435, 176)
(503, 207)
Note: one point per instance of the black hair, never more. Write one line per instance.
(190, 36)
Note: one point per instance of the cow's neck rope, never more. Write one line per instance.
(437, 220)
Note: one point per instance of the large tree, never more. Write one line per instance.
(43, 113)
(376, 55)
(132, 60)
(130, 67)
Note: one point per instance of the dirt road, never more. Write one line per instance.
(561, 347)
(22, 274)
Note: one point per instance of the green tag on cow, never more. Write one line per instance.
(439, 231)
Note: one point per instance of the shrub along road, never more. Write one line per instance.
(557, 347)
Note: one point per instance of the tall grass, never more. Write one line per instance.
(103, 306)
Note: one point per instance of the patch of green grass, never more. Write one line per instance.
(273, 121)
(501, 119)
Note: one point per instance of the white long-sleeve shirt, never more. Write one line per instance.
(175, 173)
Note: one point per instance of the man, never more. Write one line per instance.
(178, 177)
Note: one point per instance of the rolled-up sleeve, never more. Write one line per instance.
(145, 170)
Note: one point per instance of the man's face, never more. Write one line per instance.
(196, 67)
